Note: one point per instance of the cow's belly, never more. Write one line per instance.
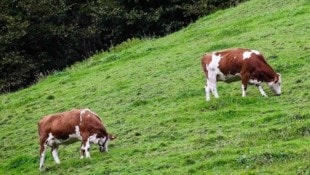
(228, 78)
(53, 141)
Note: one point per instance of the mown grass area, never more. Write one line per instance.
(150, 94)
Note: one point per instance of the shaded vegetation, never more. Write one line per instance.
(39, 37)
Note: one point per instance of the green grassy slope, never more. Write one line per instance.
(150, 94)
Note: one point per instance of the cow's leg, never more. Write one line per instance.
(212, 83)
(245, 79)
(243, 87)
(214, 91)
(55, 154)
(207, 90)
(82, 152)
(260, 88)
(85, 147)
(43, 148)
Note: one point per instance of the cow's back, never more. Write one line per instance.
(232, 61)
(61, 124)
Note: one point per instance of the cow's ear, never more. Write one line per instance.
(277, 78)
(112, 137)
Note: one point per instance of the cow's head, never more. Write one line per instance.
(103, 142)
(275, 85)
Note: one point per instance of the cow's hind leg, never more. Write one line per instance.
(210, 87)
(212, 83)
(207, 90)
(55, 154)
(214, 91)
(43, 148)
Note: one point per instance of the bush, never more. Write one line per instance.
(37, 37)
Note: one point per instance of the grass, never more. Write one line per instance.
(150, 93)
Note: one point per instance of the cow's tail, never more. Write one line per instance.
(204, 63)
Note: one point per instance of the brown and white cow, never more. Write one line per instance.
(246, 65)
(71, 126)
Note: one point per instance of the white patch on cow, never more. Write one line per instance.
(51, 140)
(247, 55)
(77, 133)
(74, 136)
(214, 64)
(256, 52)
(255, 82)
(93, 139)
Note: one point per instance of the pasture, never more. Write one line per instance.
(150, 94)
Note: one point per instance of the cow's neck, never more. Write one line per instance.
(268, 75)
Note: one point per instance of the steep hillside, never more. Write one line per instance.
(150, 93)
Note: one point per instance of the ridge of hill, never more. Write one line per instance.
(150, 94)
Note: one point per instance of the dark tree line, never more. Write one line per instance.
(38, 36)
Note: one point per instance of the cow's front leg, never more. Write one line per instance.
(85, 148)
(55, 154)
(260, 88)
